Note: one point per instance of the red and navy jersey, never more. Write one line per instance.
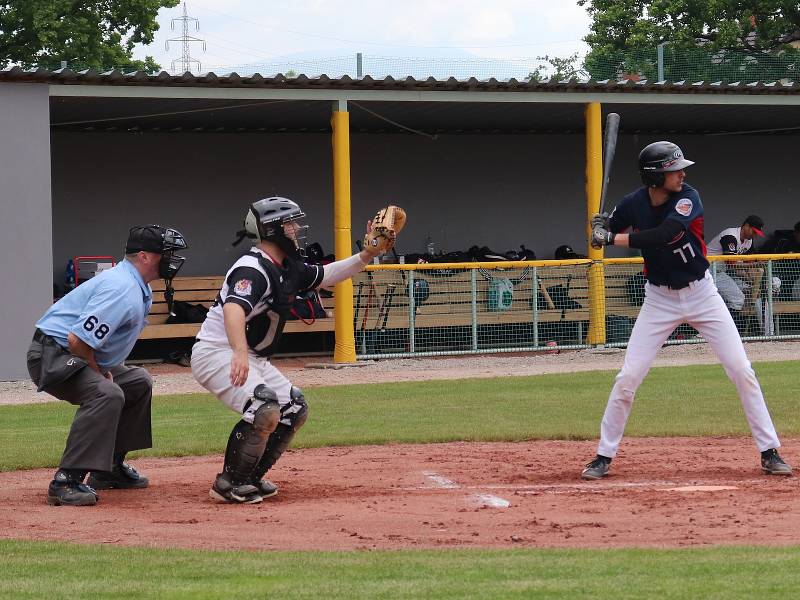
(683, 259)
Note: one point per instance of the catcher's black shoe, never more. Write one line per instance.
(224, 491)
(68, 491)
(597, 469)
(772, 463)
(266, 488)
(121, 477)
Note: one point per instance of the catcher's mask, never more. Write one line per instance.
(161, 240)
(659, 158)
(164, 241)
(278, 220)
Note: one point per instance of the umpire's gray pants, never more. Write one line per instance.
(112, 417)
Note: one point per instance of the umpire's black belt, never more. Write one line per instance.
(39, 336)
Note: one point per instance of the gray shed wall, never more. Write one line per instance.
(25, 222)
(495, 190)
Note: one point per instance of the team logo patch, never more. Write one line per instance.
(732, 247)
(243, 287)
(684, 207)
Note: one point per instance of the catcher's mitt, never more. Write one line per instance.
(383, 229)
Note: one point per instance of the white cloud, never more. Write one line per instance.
(249, 31)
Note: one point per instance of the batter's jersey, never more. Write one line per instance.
(683, 259)
(729, 241)
(108, 312)
(266, 292)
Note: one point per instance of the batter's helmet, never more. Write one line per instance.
(659, 158)
(264, 223)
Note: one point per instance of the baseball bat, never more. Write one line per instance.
(389, 295)
(609, 149)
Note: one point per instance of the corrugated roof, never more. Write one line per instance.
(279, 81)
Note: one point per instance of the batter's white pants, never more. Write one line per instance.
(701, 306)
(211, 367)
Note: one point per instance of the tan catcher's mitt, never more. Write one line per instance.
(385, 227)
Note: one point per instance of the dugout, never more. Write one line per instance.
(498, 163)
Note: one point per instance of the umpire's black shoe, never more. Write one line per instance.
(121, 477)
(597, 469)
(772, 463)
(68, 491)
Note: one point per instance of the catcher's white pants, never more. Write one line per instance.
(211, 367)
(701, 306)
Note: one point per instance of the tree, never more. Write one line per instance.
(734, 37)
(97, 33)
(562, 68)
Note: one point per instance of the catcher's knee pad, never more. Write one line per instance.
(293, 416)
(248, 440)
(264, 410)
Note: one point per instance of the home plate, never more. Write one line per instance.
(701, 488)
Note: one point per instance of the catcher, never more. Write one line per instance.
(242, 329)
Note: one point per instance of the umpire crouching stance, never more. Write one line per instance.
(77, 355)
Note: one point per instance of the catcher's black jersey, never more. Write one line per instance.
(266, 292)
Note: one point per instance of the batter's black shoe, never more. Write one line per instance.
(772, 463)
(68, 491)
(266, 488)
(224, 491)
(597, 469)
(121, 477)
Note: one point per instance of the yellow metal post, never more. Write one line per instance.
(345, 344)
(594, 183)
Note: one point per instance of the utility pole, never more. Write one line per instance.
(186, 61)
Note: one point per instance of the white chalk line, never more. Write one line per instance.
(443, 483)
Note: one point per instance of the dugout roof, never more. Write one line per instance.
(113, 101)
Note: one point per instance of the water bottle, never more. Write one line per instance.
(69, 277)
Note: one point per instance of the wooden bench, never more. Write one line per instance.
(203, 290)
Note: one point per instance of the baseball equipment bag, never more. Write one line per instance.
(501, 294)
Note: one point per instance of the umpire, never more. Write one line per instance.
(77, 355)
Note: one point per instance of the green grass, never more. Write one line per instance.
(695, 401)
(57, 570)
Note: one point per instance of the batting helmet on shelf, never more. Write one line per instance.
(659, 158)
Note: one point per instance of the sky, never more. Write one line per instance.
(325, 35)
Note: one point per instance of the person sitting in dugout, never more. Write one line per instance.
(231, 357)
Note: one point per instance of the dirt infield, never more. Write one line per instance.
(662, 493)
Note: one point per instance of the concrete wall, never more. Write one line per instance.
(25, 221)
(499, 191)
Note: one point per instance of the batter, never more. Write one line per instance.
(665, 220)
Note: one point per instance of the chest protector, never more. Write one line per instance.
(263, 332)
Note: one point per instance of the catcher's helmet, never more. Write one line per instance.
(658, 158)
(265, 219)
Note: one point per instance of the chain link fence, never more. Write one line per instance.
(462, 308)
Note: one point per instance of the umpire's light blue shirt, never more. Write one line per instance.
(107, 312)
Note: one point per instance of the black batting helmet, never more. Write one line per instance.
(659, 158)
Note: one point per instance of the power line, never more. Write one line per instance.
(369, 43)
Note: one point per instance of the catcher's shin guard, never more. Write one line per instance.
(293, 417)
(247, 441)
